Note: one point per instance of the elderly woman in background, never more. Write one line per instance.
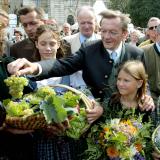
(134, 37)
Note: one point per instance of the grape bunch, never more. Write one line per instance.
(45, 91)
(16, 86)
(18, 109)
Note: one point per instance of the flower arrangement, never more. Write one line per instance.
(119, 138)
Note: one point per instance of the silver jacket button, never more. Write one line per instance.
(106, 76)
(100, 92)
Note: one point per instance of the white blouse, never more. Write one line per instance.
(76, 81)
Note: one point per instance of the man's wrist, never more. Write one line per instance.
(37, 69)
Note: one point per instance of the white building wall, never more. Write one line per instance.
(57, 9)
(60, 9)
(29, 2)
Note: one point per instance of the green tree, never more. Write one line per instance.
(141, 10)
(121, 5)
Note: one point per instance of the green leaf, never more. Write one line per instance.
(93, 151)
(78, 125)
(53, 109)
(119, 137)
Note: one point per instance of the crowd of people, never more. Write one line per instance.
(105, 58)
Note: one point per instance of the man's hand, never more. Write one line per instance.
(95, 113)
(147, 103)
(22, 66)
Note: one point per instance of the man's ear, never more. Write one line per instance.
(125, 35)
(58, 44)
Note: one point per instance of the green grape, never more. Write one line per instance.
(16, 108)
(71, 99)
(32, 98)
(28, 112)
(45, 91)
(16, 86)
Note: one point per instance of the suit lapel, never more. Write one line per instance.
(75, 45)
(123, 56)
(156, 49)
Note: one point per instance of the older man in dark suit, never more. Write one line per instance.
(95, 59)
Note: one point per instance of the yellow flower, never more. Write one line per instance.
(106, 129)
(128, 126)
(133, 129)
(127, 122)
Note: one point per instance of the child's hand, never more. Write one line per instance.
(156, 156)
(95, 113)
(147, 103)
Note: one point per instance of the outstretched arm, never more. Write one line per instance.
(48, 68)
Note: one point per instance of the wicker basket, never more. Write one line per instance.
(156, 139)
(37, 121)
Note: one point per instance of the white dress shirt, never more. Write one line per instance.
(118, 51)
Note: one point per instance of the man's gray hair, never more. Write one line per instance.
(153, 19)
(85, 8)
(109, 14)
